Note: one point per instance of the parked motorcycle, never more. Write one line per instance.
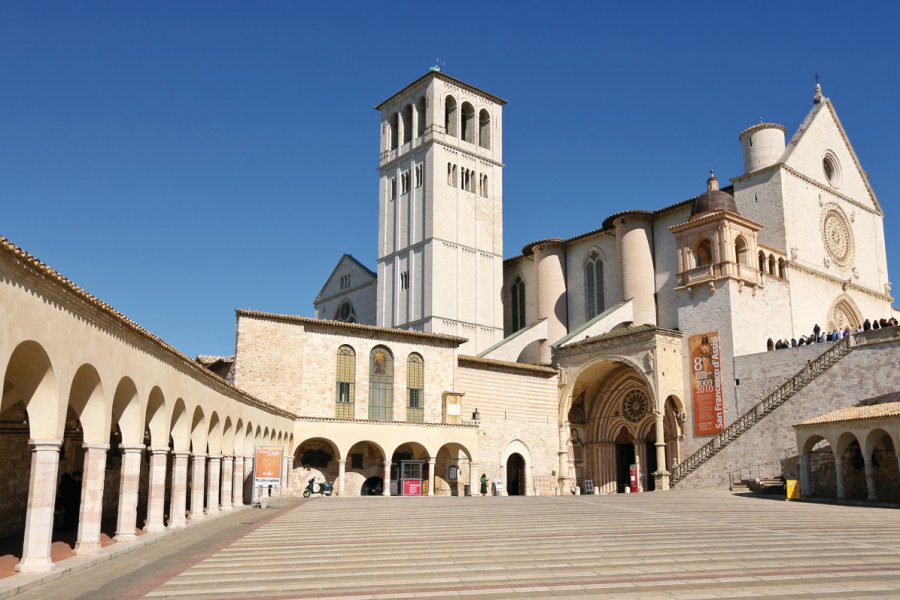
(324, 488)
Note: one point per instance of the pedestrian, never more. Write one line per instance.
(484, 484)
(867, 325)
(817, 331)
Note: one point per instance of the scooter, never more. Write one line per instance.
(324, 488)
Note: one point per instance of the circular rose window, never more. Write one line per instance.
(635, 406)
(837, 235)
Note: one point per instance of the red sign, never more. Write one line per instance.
(706, 384)
(412, 487)
(634, 478)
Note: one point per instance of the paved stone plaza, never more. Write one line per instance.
(672, 545)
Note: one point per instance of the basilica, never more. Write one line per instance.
(636, 356)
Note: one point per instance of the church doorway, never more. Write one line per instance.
(515, 475)
(651, 468)
(624, 459)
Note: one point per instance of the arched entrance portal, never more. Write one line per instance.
(614, 422)
(515, 475)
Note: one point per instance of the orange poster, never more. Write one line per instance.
(706, 384)
(267, 466)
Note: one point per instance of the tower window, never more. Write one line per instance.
(468, 122)
(395, 130)
(741, 251)
(703, 254)
(392, 189)
(483, 185)
(418, 175)
(450, 116)
(420, 116)
(517, 297)
(484, 129)
(404, 182)
(404, 280)
(407, 123)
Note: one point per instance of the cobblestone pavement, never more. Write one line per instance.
(672, 545)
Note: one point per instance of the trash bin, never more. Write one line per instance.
(467, 490)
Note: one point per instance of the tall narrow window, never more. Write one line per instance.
(381, 384)
(468, 123)
(741, 251)
(484, 129)
(420, 116)
(407, 123)
(392, 189)
(418, 171)
(703, 255)
(415, 386)
(450, 115)
(593, 286)
(517, 296)
(344, 382)
(395, 130)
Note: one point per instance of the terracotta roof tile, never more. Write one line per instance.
(855, 413)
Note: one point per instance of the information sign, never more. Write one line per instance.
(267, 466)
(412, 487)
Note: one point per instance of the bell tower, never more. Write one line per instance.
(440, 224)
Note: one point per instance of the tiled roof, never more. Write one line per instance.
(352, 326)
(29, 262)
(855, 413)
(477, 361)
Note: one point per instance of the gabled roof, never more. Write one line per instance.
(441, 75)
(344, 258)
(825, 105)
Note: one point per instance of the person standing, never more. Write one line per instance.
(484, 481)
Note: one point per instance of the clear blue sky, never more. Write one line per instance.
(183, 159)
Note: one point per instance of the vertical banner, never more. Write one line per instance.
(706, 384)
(267, 466)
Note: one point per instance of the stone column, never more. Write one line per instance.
(92, 482)
(126, 524)
(638, 453)
(839, 474)
(178, 503)
(870, 476)
(212, 484)
(237, 486)
(474, 483)
(156, 500)
(529, 482)
(805, 480)
(41, 501)
(342, 467)
(227, 478)
(662, 473)
(197, 481)
(432, 464)
(563, 453)
(248, 477)
(387, 478)
(503, 479)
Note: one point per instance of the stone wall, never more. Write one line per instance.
(868, 371)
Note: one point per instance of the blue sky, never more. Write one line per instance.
(183, 159)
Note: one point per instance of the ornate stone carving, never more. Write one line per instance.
(837, 236)
(635, 406)
(648, 362)
(795, 252)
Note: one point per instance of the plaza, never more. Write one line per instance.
(682, 544)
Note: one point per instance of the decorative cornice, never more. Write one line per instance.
(367, 422)
(489, 363)
(833, 192)
(838, 281)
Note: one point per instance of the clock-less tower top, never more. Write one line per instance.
(440, 224)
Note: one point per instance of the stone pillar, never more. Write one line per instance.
(529, 482)
(563, 452)
(227, 478)
(839, 474)
(639, 449)
(432, 465)
(41, 501)
(237, 486)
(342, 466)
(212, 484)
(92, 482)
(474, 479)
(248, 477)
(870, 476)
(804, 475)
(126, 524)
(197, 481)
(550, 268)
(156, 499)
(503, 479)
(387, 478)
(662, 473)
(178, 502)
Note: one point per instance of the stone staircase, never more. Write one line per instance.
(813, 369)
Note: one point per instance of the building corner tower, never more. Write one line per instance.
(440, 207)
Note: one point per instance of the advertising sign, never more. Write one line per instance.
(633, 478)
(706, 384)
(412, 487)
(267, 466)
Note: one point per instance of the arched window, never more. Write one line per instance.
(420, 116)
(484, 129)
(781, 268)
(407, 123)
(381, 384)
(345, 313)
(468, 122)
(703, 254)
(450, 116)
(741, 251)
(762, 261)
(772, 265)
(593, 286)
(395, 130)
(415, 387)
(345, 383)
(517, 295)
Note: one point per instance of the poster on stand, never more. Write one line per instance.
(267, 466)
(706, 384)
